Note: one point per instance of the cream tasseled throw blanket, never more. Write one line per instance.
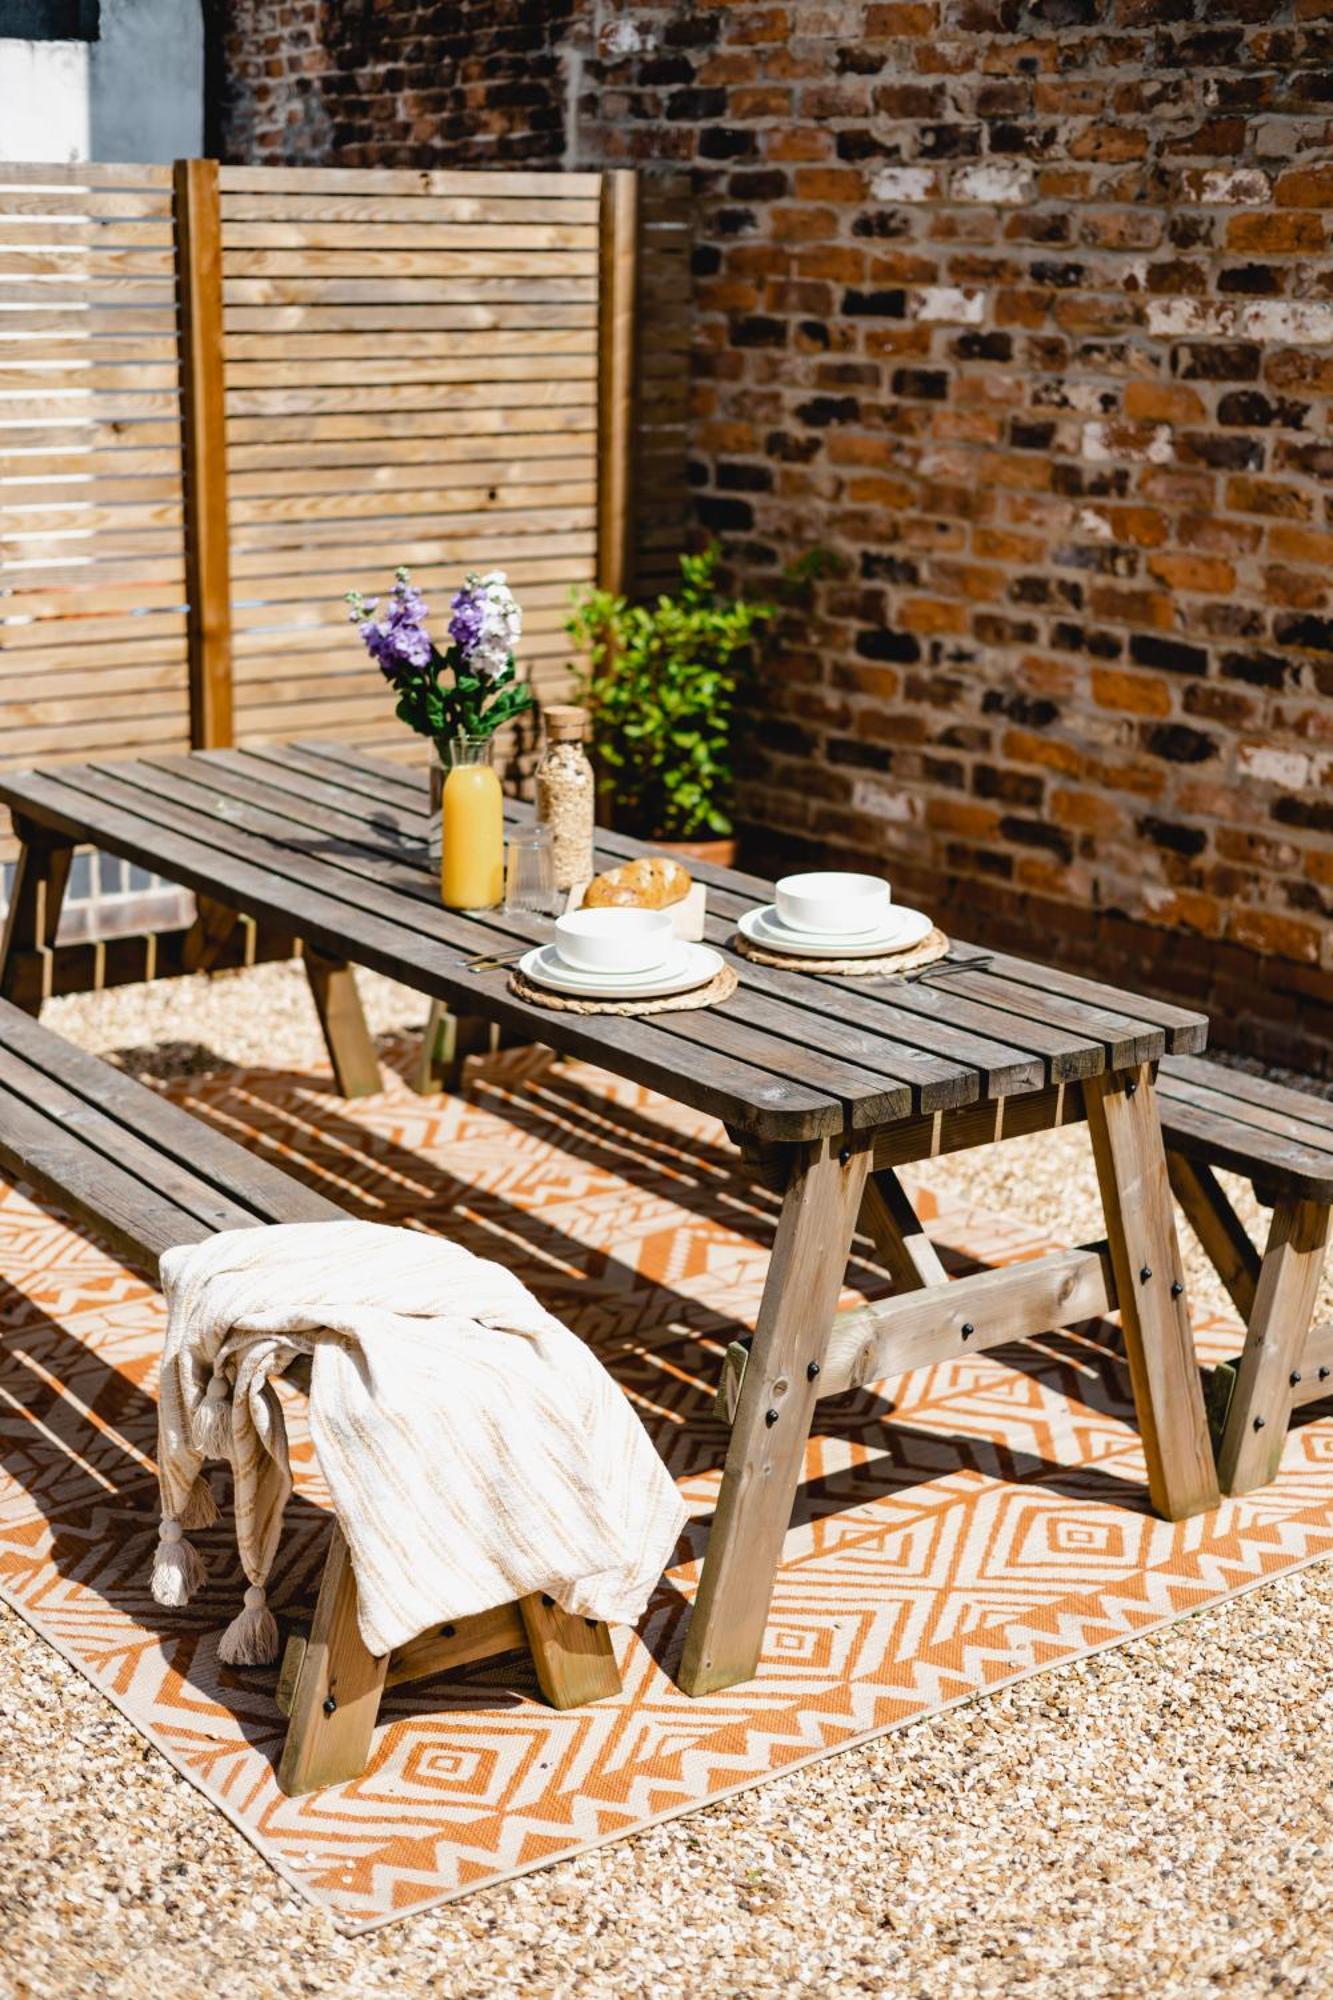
(474, 1448)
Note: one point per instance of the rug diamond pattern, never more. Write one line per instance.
(958, 1528)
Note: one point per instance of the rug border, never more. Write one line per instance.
(349, 1926)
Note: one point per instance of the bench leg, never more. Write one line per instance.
(337, 1693)
(766, 1455)
(356, 1068)
(890, 1221)
(1261, 1402)
(448, 1041)
(1154, 1312)
(34, 915)
(574, 1657)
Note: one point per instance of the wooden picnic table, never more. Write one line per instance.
(828, 1085)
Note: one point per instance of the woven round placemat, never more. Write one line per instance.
(936, 945)
(720, 987)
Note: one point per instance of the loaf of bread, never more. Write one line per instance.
(650, 883)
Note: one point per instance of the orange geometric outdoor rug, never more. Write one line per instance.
(987, 1521)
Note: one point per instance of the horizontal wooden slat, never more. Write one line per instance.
(436, 236)
(472, 207)
(479, 540)
(96, 319)
(399, 321)
(503, 393)
(385, 181)
(423, 290)
(267, 523)
(73, 233)
(487, 343)
(416, 465)
(79, 264)
(89, 635)
(74, 201)
(491, 417)
(357, 371)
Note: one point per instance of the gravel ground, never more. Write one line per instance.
(1153, 1821)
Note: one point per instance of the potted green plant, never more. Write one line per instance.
(661, 683)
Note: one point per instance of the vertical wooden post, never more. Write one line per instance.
(616, 289)
(1279, 1325)
(198, 218)
(1130, 1158)
(766, 1455)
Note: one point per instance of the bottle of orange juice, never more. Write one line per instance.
(472, 847)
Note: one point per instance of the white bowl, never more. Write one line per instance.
(615, 940)
(833, 903)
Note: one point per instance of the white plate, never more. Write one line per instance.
(903, 929)
(694, 966)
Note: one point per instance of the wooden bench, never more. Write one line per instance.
(1281, 1140)
(145, 1175)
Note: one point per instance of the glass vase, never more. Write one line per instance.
(472, 846)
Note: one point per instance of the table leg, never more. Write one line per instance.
(1154, 1313)
(766, 1455)
(356, 1067)
(40, 876)
(1261, 1401)
(208, 935)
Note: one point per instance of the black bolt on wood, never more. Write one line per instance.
(1145, 1273)
(845, 1157)
(1176, 1288)
(770, 1418)
(330, 1705)
(1131, 1086)
(547, 1600)
(447, 1631)
(1294, 1377)
(811, 1371)
(1258, 1423)
(967, 1329)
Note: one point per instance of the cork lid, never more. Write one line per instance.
(565, 723)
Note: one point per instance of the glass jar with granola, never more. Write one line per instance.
(565, 794)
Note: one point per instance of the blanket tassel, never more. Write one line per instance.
(178, 1569)
(251, 1640)
(210, 1428)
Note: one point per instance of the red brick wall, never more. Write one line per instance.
(1024, 312)
(389, 83)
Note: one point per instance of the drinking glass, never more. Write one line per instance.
(530, 881)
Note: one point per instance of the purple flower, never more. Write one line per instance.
(465, 627)
(399, 640)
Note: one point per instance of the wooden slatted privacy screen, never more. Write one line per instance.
(227, 396)
(92, 556)
(411, 365)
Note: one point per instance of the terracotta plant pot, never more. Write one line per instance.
(722, 853)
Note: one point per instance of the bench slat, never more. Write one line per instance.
(127, 1213)
(217, 1164)
(1263, 1121)
(1301, 1172)
(1243, 1089)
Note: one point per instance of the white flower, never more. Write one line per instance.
(501, 626)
